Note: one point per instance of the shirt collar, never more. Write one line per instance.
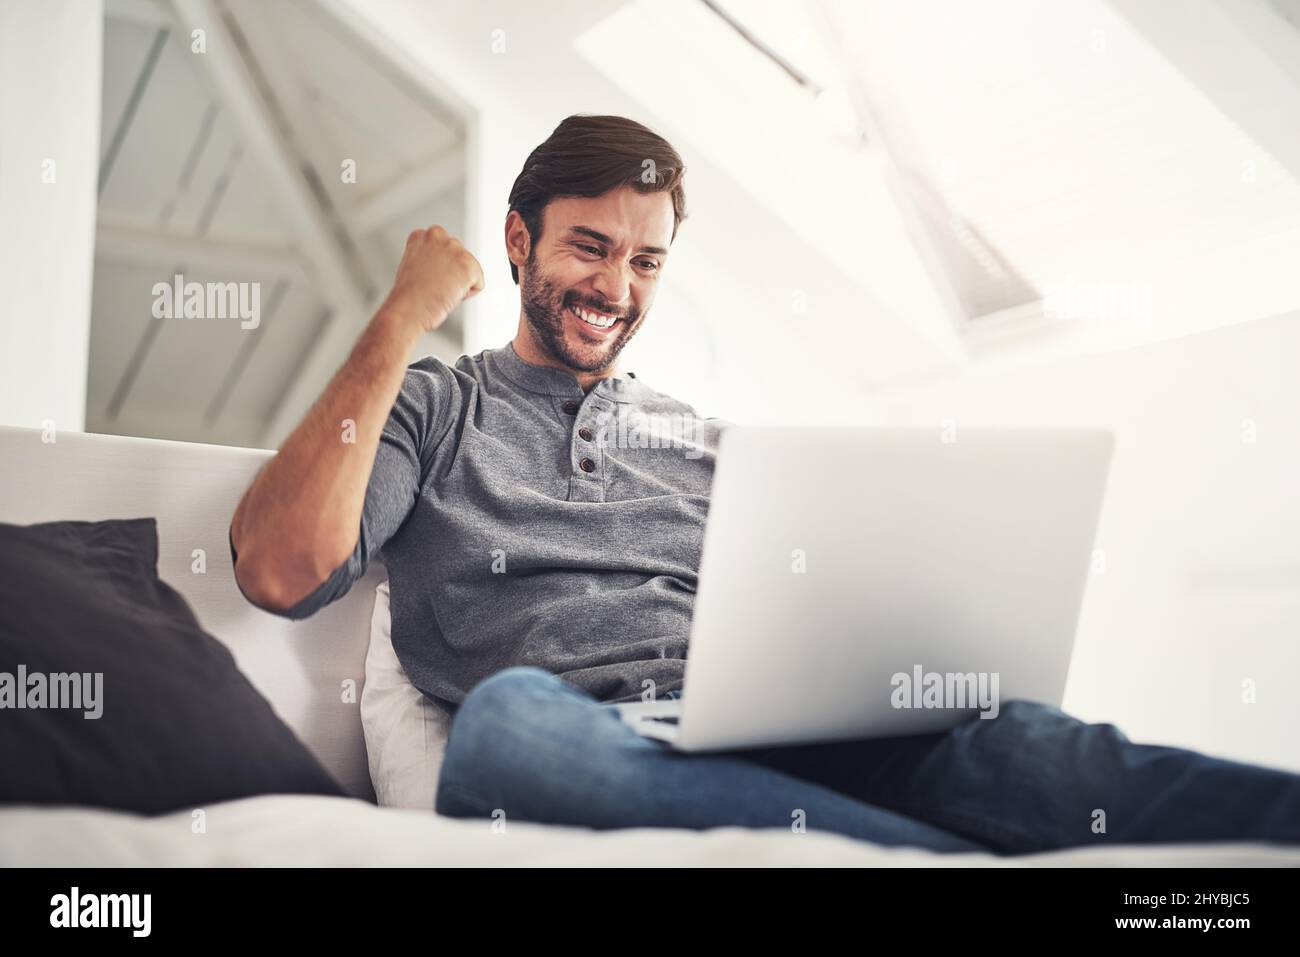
(551, 381)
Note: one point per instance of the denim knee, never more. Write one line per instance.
(491, 709)
(1018, 723)
(1038, 714)
(517, 707)
(508, 682)
(1019, 709)
(503, 700)
(1025, 711)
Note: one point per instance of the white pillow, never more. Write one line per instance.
(406, 733)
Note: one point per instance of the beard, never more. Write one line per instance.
(545, 307)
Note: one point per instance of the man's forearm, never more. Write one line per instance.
(300, 518)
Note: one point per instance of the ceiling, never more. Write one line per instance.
(996, 184)
(234, 164)
(1028, 179)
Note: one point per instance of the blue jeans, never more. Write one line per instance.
(531, 745)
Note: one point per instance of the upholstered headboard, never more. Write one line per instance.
(302, 667)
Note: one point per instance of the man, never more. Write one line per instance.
(542, 556)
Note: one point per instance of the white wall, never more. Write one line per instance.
(1200, 530)
(50, 77)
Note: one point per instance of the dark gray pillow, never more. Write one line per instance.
(179, 725)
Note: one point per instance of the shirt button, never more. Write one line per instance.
(587, 465)
(586, 433)
(571, 407)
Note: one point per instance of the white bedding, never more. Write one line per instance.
(291, 830)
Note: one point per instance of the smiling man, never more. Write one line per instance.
(518, 527)
(580, 305)
(543, 566)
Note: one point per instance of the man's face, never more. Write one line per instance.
(602, 256)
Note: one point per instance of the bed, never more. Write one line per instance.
(192, 491)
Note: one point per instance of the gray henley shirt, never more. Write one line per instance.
(525, 522)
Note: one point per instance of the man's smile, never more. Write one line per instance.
(598, 324)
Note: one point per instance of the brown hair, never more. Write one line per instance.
(588, 156)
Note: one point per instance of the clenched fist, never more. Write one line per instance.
(435, 276)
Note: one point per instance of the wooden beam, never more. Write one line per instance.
(336, 274)
(149, 13)
(418, 184)
(118, 242)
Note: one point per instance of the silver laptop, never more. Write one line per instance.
(866, 582)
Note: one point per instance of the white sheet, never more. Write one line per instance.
(290, 830)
